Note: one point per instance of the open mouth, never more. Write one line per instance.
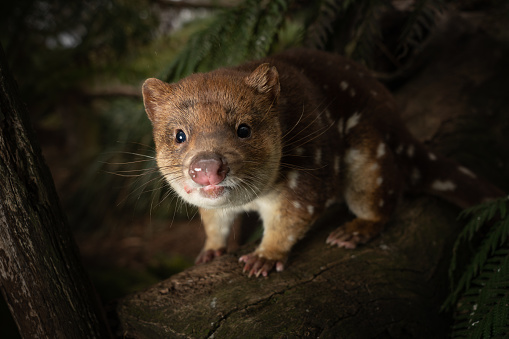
(211, 191)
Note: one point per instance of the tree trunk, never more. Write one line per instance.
(41, 276)
(390, 288)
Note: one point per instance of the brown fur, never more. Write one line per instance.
(322, 130)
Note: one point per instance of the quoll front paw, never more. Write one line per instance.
(209, 255)
(356, 232)
(257, 265)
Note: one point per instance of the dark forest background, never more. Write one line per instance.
(80, 65)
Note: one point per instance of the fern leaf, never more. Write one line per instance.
(320, 29)
(366, 30)
(483, 312)
(243, 32)
(270, 24)
(496, 237)
(421, 19)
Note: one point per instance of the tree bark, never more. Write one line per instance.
(390, 288)
(41, 276)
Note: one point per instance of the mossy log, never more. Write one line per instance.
(390, 288)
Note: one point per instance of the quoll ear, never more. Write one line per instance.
(155, 92)
(265, 79)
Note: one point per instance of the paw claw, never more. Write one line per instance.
(208, 255)
(257, 265)
(354, 233)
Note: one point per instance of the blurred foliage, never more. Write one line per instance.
(53, 45)
(480, 293)
(255, 29)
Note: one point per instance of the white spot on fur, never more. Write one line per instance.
(296, 204)
(343, 85)
(352, 121)
(410, 151)
(380, 151)
(379, 181)
(318, 156)
(439, 185)
(352, 92)
(336, 164)
(466, 171)
(330, 202)
(353, 156)
(432, 156)
(311, 209)
(292, 179)
(291, 238)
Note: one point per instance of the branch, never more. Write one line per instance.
(393, 286)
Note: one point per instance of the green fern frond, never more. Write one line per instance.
(497, 236)
(235, 35)
(366, 31)
(483, 312)
(270, 24)
(421, 19)
(321, 26)
(234, 42)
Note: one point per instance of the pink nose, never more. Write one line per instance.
(208, 169)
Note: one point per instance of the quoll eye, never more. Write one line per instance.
(180, 137)
(243, 131)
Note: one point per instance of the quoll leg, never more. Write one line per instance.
(284, 224)
(218, 224)
(371, 192)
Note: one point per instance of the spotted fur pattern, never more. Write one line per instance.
(322, 131)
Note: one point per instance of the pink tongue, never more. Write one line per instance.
(212, 191)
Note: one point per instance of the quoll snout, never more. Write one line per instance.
(208, 169)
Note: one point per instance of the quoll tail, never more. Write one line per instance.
(446, 178)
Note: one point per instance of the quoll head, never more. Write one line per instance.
(217, 134)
